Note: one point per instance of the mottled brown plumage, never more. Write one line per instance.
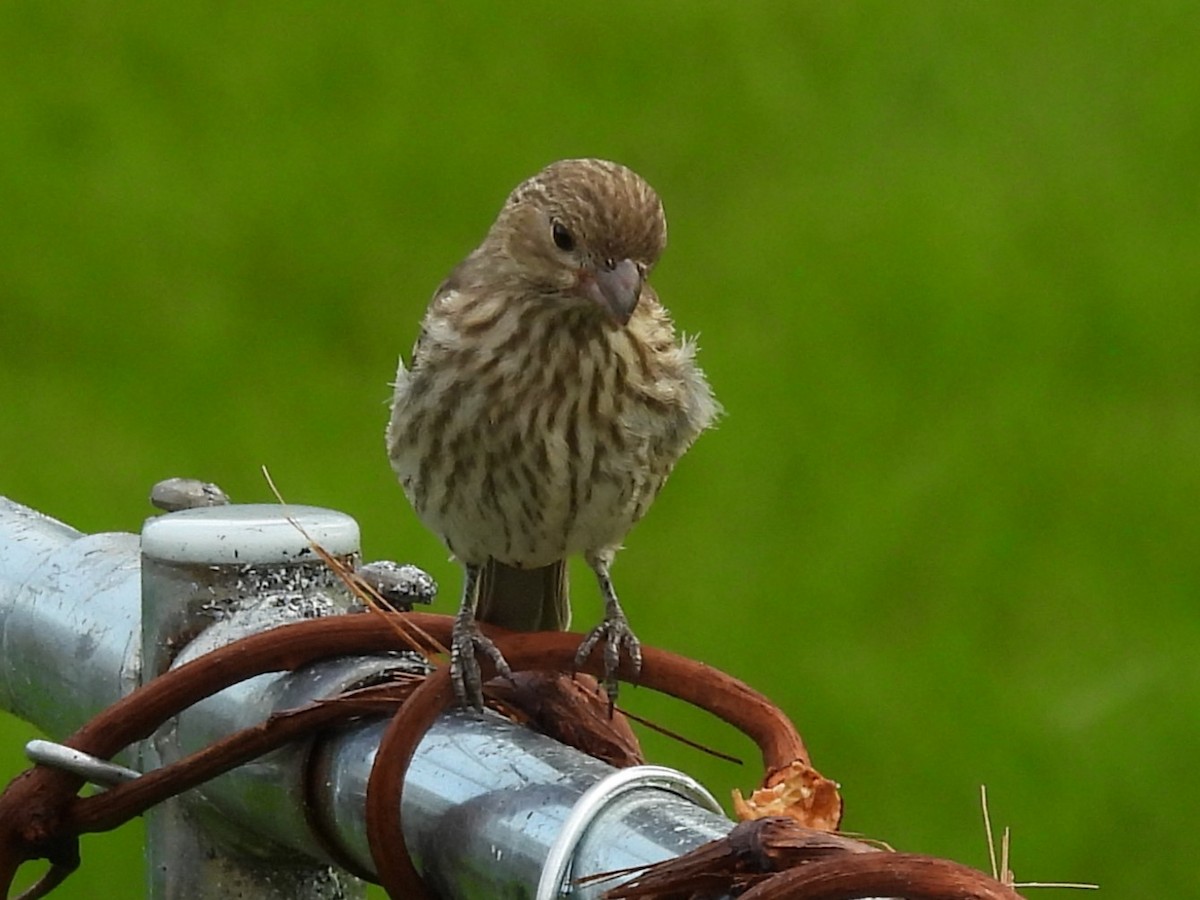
(546, 403)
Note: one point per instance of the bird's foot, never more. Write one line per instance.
(617, 636)
(465, 676)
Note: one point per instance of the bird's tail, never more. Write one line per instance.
(525, 599)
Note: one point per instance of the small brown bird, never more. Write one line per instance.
(547, 402)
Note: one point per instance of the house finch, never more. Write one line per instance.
(546, 403)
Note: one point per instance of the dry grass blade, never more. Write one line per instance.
(411, 635)
(1003, 873)
(676, 736)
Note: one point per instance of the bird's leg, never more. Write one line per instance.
(465, 639)
(614, 630)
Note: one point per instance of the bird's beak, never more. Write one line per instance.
(614, 287)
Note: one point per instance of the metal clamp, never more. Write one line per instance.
(589, 806)
(91, 768)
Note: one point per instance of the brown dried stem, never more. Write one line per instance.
(685, 679)
(42, 816)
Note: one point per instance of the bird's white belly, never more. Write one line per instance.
(526, 496)
(529, 515)
(528, 464)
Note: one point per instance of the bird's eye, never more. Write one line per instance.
(562, 238)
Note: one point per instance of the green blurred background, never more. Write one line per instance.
(944, 258)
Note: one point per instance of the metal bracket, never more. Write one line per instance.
(92, 769)
(593, 802)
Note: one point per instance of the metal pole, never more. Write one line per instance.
(210, 576)
(490, 809)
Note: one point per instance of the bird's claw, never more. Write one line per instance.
(465, 676)
(617, 636)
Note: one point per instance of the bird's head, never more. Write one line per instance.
(585, 230)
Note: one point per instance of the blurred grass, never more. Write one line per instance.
(944, 261)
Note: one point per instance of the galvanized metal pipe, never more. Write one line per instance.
(69, 618)
(486, 803)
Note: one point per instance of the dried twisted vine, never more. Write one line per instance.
(42, 816)
(691, 681)
(779, 859)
